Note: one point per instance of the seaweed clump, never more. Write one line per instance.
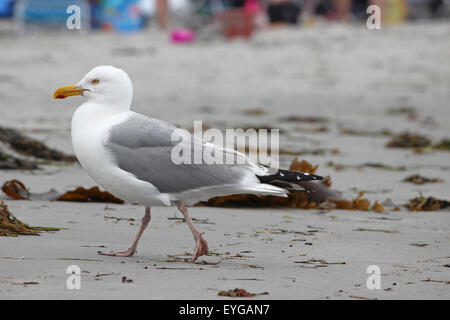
(418, 142)
(418, 179)
(409, 140)
(239, 293)
(8, 162)
(443, 145)
(15, 189)
(10, 226)
(31, 147)
(295, 199)
(89, 195)
(319, 196)
(427, 204)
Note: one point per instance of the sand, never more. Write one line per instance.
(345, 73)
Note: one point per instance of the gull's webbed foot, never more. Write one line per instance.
(127, 253)
(201, 248)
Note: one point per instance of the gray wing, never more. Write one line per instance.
(142, 146)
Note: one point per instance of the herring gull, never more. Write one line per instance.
(129, 155)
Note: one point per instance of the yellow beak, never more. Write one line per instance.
(68, 91)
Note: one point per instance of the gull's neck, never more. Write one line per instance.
(91, 115)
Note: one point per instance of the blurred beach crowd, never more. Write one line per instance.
(185, 18)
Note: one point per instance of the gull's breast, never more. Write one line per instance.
(88, 139)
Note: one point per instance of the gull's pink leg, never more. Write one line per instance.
(132, 250)
(201, 246)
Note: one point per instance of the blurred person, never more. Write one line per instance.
(395, 11)
(419, 9)
(283, 11)
(342, 10)
(162, 13)
(236, 3)
(161, 10)
(440, 8)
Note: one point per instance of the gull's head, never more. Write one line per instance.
(104, 84)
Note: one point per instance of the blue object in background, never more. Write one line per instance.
(50, 13)
(117, 15)
(6, 8)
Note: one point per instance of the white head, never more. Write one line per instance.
(107, 85)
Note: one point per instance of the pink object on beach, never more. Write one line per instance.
(252, 6)
(182, 35)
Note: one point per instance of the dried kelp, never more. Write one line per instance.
(319, 261)
(373, 165)
(418, 142)
(418, 179)
(254, 112)
(443, 145)
(17, 190)
(409, 140)
(359, 203)
(197, 221)
(320, 196)
(311, 129)
(427, 204)
(89, 195)
(239, 293)
(314, 152)
(319, 191)
(9, 162)
(377, 207)
(303, 166)
(366, 133)
(295, 199)
(437, 281)
(30, 147)
(406, 110)
(376, 230)
(307, 119)
(10, 226)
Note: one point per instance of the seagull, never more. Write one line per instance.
(131, 156)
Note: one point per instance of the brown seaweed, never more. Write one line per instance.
(10, 226)
(31, 147)
(443, 145)
(93, 194)
(418, 179)
(15, 189)
(307, 119)
(320, 196)
(9, 162)
(239, 293)
(366, 133)
(408, 140)
(427, 204)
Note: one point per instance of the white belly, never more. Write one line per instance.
(89, 133)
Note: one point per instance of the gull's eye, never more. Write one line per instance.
(95, 81)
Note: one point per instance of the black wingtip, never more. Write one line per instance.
(289, 176)
(309, 176)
